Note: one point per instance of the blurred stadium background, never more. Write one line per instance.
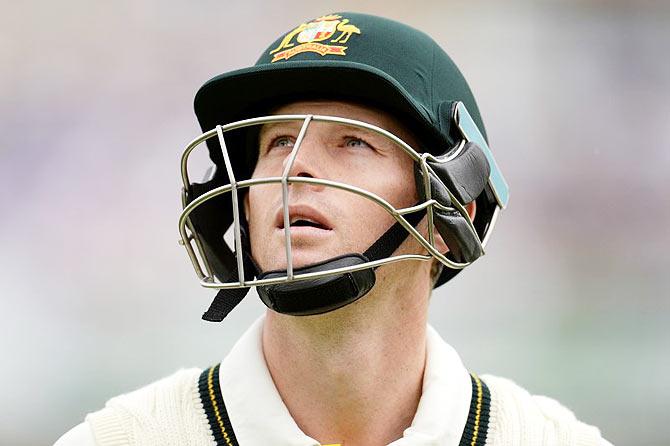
(97, 298)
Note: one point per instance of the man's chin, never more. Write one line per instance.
(301, 259)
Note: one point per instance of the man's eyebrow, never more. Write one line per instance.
(295, 125)
(281, 124)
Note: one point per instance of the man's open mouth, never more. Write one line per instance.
(300, 222)
(303, 217)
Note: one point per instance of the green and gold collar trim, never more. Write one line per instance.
(215, 409)
(477, 424)
(474, 433)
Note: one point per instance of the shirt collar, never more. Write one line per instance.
(259, 416)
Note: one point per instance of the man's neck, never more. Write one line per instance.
(354, 374)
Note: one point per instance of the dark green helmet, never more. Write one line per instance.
(360, 57)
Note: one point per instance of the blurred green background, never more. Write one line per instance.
(97, 298)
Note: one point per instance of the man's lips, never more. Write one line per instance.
(303, 216)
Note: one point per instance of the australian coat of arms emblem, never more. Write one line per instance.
(317, 36)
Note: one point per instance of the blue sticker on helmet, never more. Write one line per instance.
(470, 132)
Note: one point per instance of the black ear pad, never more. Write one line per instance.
(454, 229)
(210, 221)
(465, 176)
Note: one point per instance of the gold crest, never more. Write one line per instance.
(308, 35)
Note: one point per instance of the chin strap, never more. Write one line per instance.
(314, 296)
(225, 300)
(391, 239)
(321, 295)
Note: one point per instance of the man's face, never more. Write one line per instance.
(327, 222)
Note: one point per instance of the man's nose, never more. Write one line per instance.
(308, 160)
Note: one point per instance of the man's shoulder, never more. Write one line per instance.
(166, 411)
(177, 387)
(517, 414)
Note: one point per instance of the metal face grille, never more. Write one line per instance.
(202, 265)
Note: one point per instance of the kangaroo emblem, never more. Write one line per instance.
(313, 37)
(345, 30)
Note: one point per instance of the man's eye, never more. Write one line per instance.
(356, 142)
(282, 142)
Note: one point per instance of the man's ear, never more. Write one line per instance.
(440, 244)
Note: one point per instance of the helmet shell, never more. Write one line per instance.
(383, 63)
